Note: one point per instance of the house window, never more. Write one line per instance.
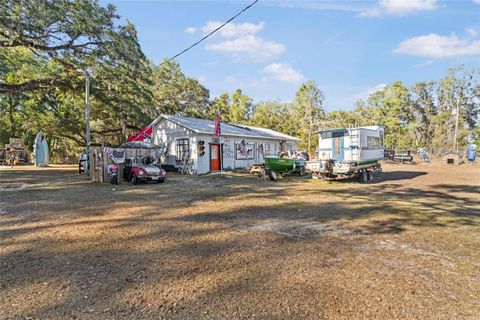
(182, 147)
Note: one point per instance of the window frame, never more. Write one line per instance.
(184, 143)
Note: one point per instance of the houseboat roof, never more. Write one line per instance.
(374, 128)
(205, 126)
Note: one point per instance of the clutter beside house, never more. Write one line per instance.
(471, 153)
(134, 162)
(450, 158)
(13, 153)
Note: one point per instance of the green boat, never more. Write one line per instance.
(283, 165)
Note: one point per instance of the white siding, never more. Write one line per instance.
(166, 132)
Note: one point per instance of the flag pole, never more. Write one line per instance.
(221, 150)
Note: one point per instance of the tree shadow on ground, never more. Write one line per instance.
(127, 263)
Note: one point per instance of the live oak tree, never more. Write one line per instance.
(44, 44)
(174, 93)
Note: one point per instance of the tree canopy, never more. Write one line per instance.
(47, 45)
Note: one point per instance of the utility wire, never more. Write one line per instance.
(211, 33)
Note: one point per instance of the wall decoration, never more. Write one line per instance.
(244, 150)
(227, 151)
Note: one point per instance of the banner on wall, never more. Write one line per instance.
(114, 155)
(244, 150)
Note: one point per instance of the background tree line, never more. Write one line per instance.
(46, 45)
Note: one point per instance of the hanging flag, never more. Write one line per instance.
(260, 150)
(114, 155)
(218, 131)
(145, 133)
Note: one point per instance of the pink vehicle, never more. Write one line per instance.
(136, 170)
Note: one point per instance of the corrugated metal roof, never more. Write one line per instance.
(208, 127)
(345, 129)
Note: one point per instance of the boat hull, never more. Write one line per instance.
(280, 164)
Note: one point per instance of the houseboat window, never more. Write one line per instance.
(373, 143)
(381, 139)
(337, 146)
(182, 146)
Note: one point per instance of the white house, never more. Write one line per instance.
(239, 146)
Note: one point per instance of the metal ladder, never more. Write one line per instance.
(355, 148)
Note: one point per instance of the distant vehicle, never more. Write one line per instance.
(136, 170)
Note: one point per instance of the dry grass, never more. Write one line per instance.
(208, 247)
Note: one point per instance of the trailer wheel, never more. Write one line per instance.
(272, 175)
(301, 171)
(370, 176)
(363, 176)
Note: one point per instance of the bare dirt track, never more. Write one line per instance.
(208, 247)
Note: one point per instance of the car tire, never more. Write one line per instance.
(134, 179)
(161, 180)
(301, 171)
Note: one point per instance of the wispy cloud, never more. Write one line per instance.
(437, 46)
(283, 72)
(472, 32)
(423, 64)
(399, 7)
(364, 94)
(318, 5)
(191, 30)
(362, 8)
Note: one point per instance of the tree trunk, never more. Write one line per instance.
(11, 116)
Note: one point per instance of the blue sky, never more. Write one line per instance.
(350, 48)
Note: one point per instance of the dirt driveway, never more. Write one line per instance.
(208, 247)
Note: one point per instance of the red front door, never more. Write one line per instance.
(214, 157)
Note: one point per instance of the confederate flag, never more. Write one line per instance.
(145, 133)
(217, 123)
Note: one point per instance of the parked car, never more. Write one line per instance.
(136, 170)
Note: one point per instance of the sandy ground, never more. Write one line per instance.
(406, 247)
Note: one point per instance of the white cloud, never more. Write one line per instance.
(367, 92)
(471, 31)
(191, 30)
(242, 42)
(437, 46)
(231, 30)
(283, 72)
(254, 47)
(399, 7)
